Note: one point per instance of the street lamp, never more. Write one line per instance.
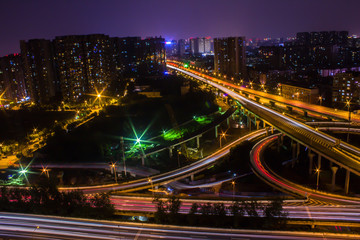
(320, 100)
(317, 178)
(178, 157)
(297, 95)
(46, 172)
(150, 181)
(233, 187)
(123, 154)
(113, 168)
(222, 135)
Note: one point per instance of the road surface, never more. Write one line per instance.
(20, 226)
(297, 209)
(263, 171)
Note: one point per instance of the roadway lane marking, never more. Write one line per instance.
(138, 234)
(308, 212)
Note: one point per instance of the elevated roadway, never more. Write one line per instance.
(345, 155)
(330, 112)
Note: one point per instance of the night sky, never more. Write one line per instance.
(173, 19)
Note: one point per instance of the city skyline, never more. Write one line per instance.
(192, 19)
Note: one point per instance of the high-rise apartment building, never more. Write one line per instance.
(12, 79)
(38, 63)
(136, 56)
(229, 57)
(181, 47)
(322, 38)
(85, 65)
(152, 56)
(201, 45)
(126, 54)
(171, 48)
(346, 86)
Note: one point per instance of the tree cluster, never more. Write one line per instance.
(45, 198)
(240, 214)
(167, 211)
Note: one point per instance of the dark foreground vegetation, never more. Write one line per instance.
(45, 198)
(239, 214)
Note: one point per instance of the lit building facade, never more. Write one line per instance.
(85, 65)
(39, 70)
(303, 94)
(229, 57)
(201, 45)
(152, 56)
(346, 86)
(12, 79)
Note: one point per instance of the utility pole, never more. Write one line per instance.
(123, 153)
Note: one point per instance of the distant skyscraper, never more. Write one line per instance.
(201, 45)
(229, 57)
(38, 63)
(181, 47)
(85, 65)
(171, 48)
(12, 77)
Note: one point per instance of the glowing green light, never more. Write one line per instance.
(204, 119)
(138, 140)
(186, 65)
(23, 171)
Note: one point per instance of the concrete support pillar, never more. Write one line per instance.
(272, 129)
(293, 148)
(267, 131)
(201, 153)
(334, 170)
(319, 162)
(216, 131)
(171, 151)
(192, 177)
(198, 142)
(293, 145)
(249, 122)
(311, 160)
(228, 122)
(142, 160)
(347, 181)
(257, 125)
(297, 150)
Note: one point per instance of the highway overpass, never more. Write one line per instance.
(344, 155)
